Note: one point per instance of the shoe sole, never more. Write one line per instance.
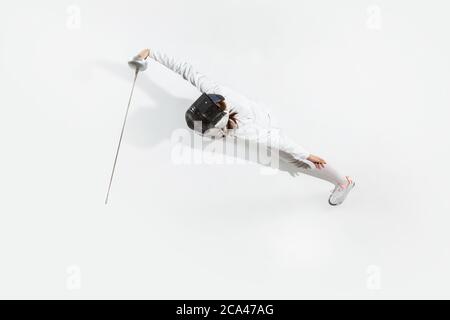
(336, 204)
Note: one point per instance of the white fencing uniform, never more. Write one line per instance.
(254, 121)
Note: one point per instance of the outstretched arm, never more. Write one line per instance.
(186, 70)
(298, 153)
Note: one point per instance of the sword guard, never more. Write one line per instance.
(138, 64)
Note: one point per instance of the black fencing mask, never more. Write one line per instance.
(204, 111)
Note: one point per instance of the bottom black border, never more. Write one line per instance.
(224, 309)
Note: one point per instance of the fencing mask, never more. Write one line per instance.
(206, 117)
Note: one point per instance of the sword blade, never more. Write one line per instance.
(120, 139)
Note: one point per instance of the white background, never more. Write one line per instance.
(365, 84)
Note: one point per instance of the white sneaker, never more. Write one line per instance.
(340, 192)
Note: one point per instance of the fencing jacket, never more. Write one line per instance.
(254, 120)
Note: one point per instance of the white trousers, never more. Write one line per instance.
(294, 166)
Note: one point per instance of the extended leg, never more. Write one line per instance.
(328, 173)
